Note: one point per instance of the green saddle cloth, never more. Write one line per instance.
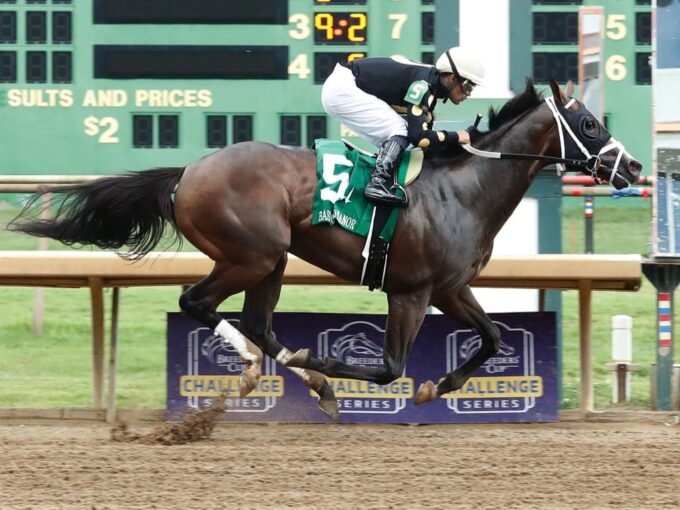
(339, 198)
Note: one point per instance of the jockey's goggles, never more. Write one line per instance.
(467, 86)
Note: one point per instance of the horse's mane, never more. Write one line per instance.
(516, 106)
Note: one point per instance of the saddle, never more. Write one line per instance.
(344, 170)
(412, 161)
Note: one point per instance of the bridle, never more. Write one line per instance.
(591, 162)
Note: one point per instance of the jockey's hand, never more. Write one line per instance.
(473, 132)
(463, 137)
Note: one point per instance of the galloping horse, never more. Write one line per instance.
(248, 205)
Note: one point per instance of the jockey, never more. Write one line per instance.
(368, 94)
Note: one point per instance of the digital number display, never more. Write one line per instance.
(340, 27)
(8, 66)
(128, 62)
(643, 28)
(555, 27)
(643, 69)
(325, 62)
(561, 66)
(260, 12)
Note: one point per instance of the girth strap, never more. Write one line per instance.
(376, 250)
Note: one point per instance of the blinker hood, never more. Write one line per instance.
(576, 120)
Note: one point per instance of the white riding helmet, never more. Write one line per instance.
(465, 64)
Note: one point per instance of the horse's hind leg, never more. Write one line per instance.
(256, 324)
(201, 301)
(464, 308)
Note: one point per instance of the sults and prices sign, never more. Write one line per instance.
(519, 384)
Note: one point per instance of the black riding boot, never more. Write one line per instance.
(387, 162)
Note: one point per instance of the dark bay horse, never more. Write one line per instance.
(248, 205)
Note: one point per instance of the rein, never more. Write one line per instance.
(591, 163)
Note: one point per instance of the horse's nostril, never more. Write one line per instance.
(635, 166)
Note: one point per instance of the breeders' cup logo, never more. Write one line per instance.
(359, 343)
(505, 357)
(357, 350)
(214, 366)
(221, 353)
(505, 383)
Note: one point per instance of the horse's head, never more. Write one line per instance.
(582, 135)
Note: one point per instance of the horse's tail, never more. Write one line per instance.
(128, 210)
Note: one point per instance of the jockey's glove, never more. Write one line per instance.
(473, 132)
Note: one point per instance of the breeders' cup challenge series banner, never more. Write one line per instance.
(519, 384)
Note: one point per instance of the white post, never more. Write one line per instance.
(622, 352)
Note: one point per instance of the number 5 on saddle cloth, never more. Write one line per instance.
(343, 171)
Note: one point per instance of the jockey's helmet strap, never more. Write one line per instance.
(453, 66)
(456, 74)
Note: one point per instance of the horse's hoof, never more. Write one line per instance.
(248, 381)
(426, 393)
(330, 408)
(298, 359)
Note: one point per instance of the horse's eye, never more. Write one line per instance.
(591, 127)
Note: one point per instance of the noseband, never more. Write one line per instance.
(591, 162)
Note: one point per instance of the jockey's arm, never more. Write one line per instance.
(420, 133)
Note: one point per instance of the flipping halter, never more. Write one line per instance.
(591, 162)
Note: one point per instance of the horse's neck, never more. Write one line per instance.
(533, 133)
(503, 183)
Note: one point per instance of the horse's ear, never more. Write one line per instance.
(569, 89)
(557, 93)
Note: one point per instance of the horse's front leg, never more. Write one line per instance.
(464, 308)
(256, 324)
(405, 316)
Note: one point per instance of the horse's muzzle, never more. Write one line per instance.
(628, 174)
(635, 167)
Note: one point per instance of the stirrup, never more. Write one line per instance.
(385, 197)
(403, 197)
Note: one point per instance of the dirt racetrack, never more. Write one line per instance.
(574, 464)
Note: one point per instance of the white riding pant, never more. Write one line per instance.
(363, 113)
